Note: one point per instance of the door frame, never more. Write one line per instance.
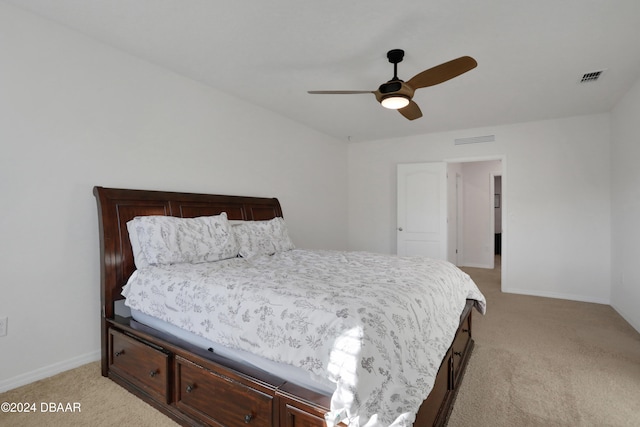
(492, 228)
(459, 237)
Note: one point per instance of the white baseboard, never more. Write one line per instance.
(48, 371)
(556, 295)
(472, 265)
(630, 320)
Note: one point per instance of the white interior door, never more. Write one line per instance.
(422, 210)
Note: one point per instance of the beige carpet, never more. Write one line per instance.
(537, 362)
(548, 362)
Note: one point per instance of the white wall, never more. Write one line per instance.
(75, 113)
(625, 195)
(556, 216)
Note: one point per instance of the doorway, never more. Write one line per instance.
(446, 210)
(476, 200)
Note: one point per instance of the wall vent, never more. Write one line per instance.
(475, 139)
(591, 77)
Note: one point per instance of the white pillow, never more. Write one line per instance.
(171, 240)
(138, 257)
(262, 237)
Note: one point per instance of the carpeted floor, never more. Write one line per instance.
(548, 362)
(102, 403)
(537, 362)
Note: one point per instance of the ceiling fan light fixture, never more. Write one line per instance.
(395, 102)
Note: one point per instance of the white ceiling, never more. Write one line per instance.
(531, 54)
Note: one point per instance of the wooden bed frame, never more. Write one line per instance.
(197, 387)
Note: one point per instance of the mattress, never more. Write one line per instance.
(375, 327)
(289, 373)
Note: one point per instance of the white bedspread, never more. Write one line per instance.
(376, 325)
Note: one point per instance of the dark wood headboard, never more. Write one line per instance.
(117, 206)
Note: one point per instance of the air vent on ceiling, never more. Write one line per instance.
(475, 139)
(591, 77)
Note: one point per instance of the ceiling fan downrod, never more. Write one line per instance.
(395, 56)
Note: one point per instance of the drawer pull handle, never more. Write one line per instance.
(248, 418)
(119, 353)
(457, 353)
(153, 373)
(189, 388)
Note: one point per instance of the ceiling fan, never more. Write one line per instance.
(396, 94)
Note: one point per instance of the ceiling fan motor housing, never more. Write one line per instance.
(394, 88)
(389, 87)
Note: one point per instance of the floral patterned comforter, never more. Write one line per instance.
(376, 325)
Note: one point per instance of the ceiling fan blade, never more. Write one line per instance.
(411, 111)
(443, 72)
(337, 92)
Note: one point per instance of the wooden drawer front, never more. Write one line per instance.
(459, 349)
(295, 417)
(219, 400)
(139, 363)
(430, 410)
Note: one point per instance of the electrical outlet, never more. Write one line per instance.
(3, 326)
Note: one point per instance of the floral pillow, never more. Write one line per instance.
(262, 237)
(165, 240)
(139, 259)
